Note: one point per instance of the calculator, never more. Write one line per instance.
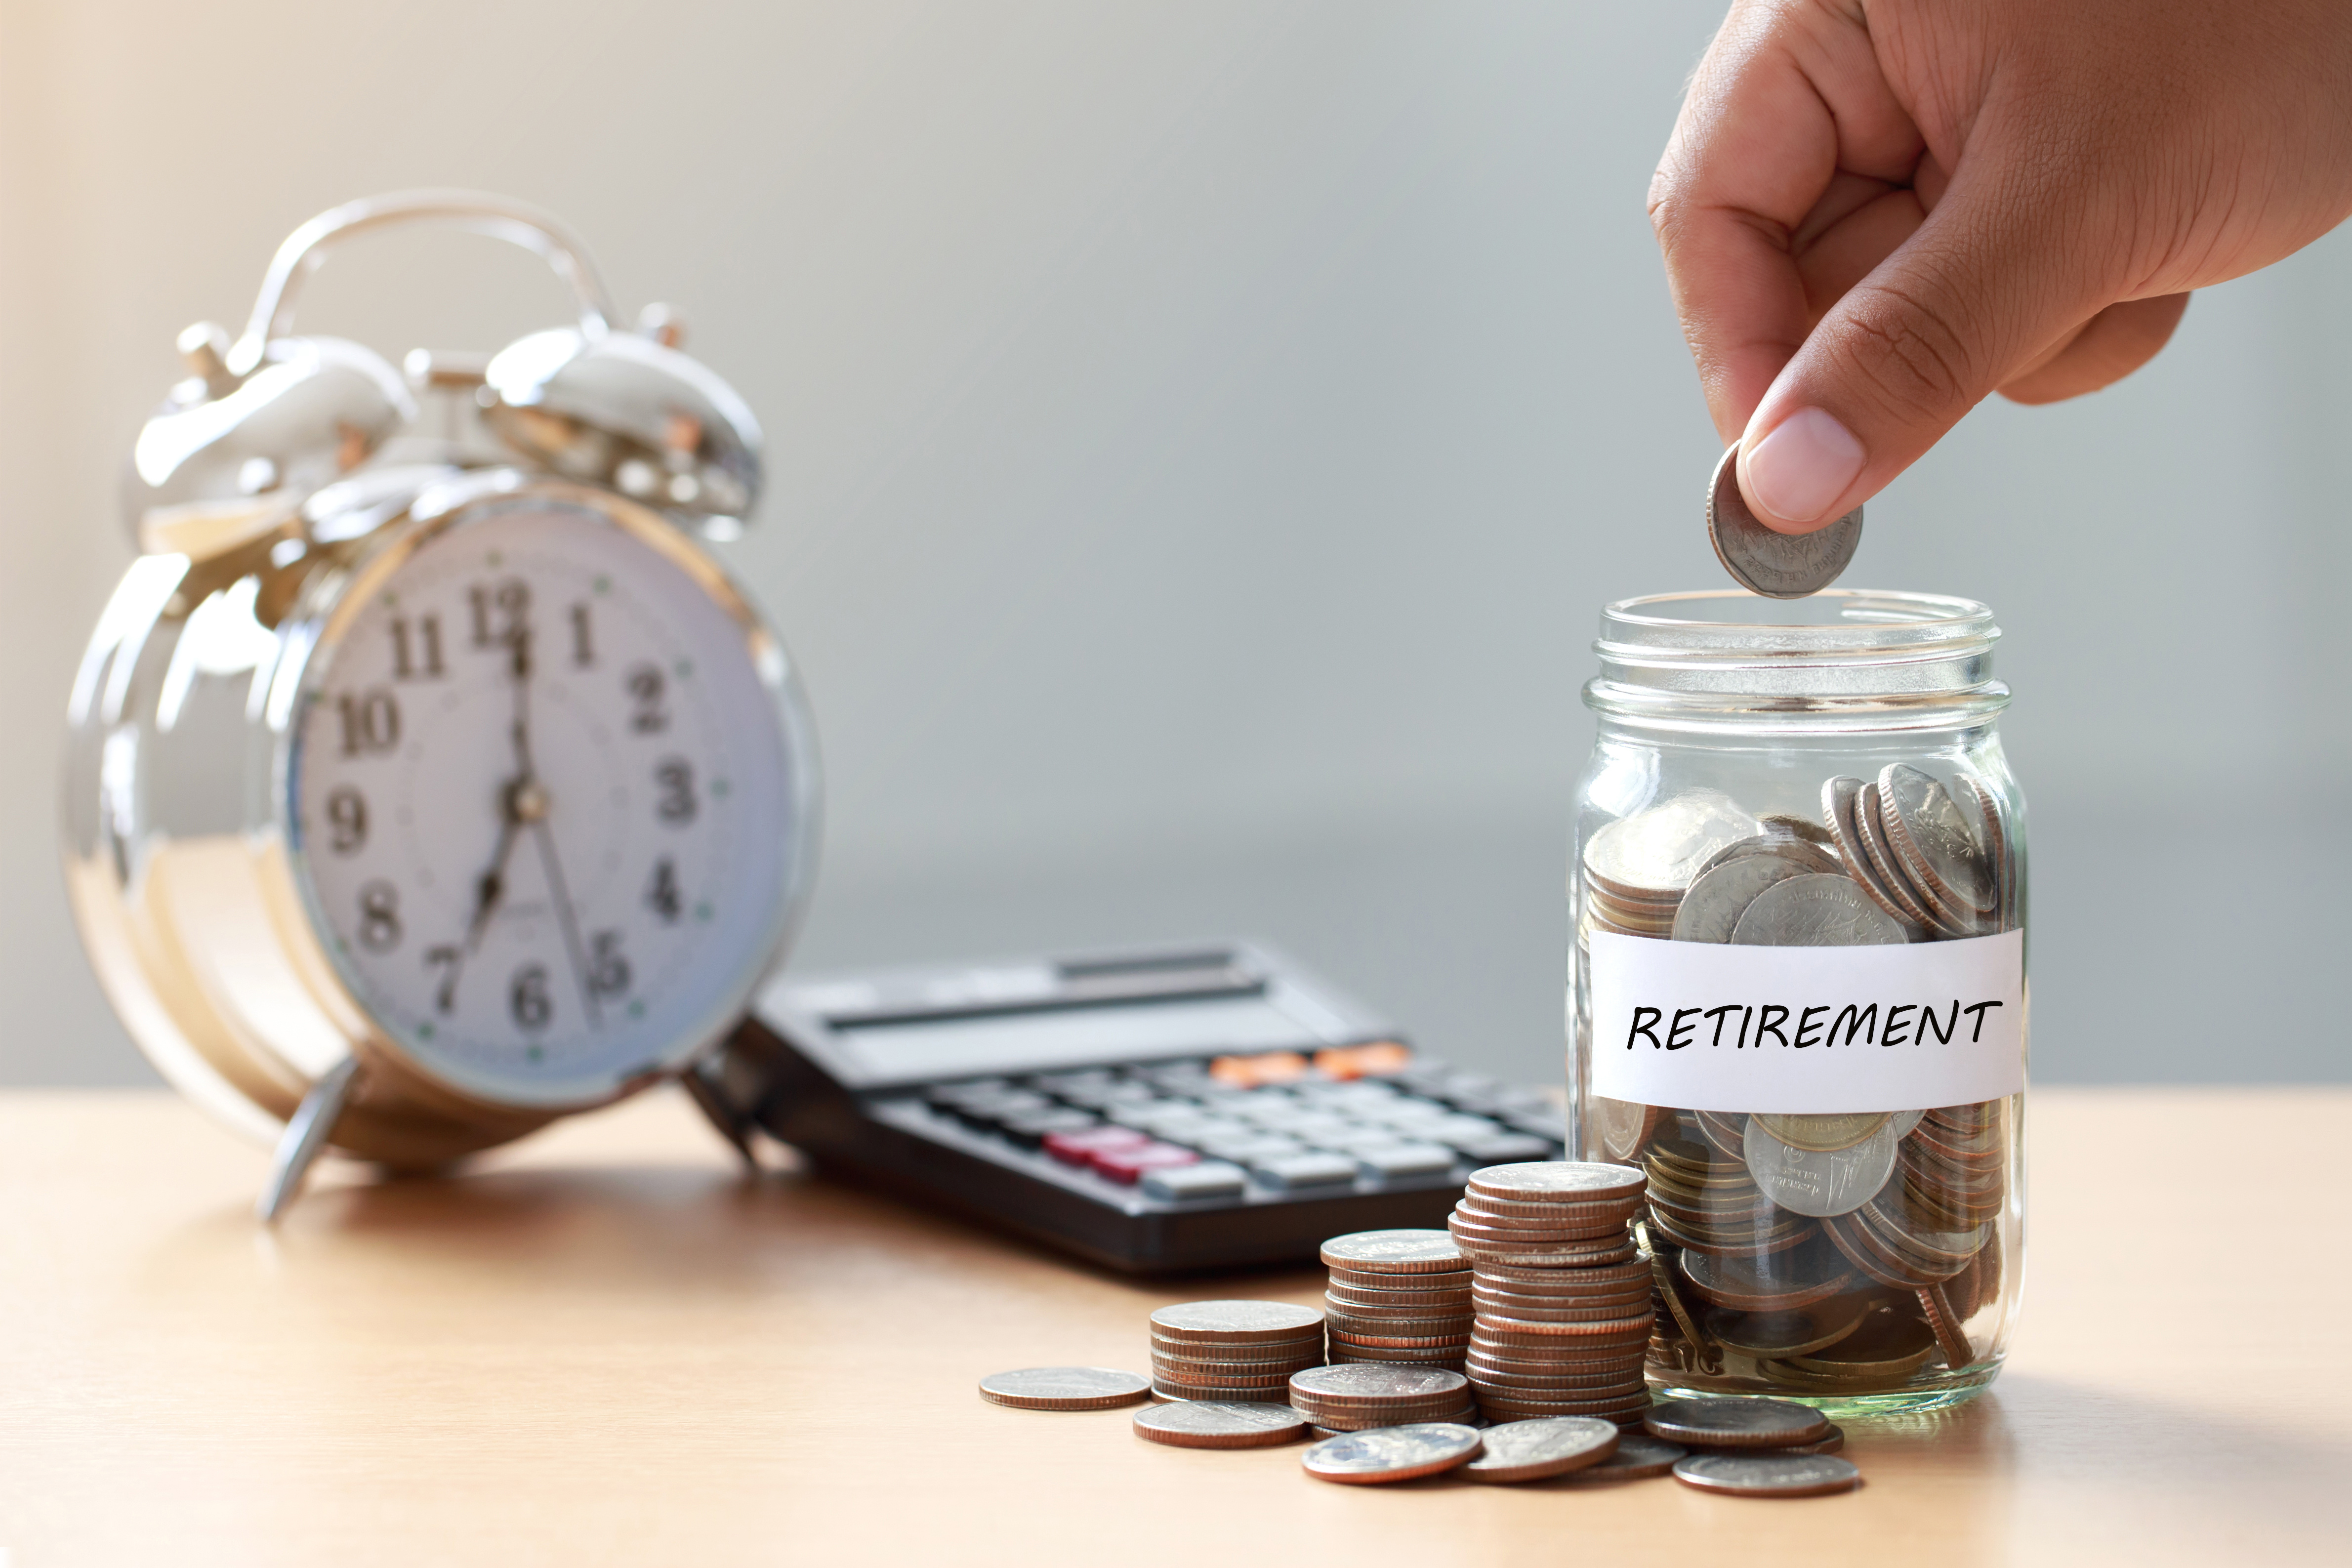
(1193, 1108)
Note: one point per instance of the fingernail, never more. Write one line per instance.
(1798, 472)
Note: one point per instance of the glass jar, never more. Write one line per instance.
(1798, 994)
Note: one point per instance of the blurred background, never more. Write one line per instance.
(1201, 436)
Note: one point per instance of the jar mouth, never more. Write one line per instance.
(1851, 655)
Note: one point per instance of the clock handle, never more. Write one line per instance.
(305, 1137)
(514, 222)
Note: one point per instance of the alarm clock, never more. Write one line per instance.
(428, 777)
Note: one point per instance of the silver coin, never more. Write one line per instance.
(1906, 1120)
(1932, 835)
(1064, 1388)
(1394, 1252)
(1736, 1423)
(1824, 1134)
(1711, 910)
(1588, 1180)
(1392, 1453)
(1777, 566)
(1659, 851)
(1547, 1445)
(1841, 803)
(1367, 1380)
(1807, 855)
(1816, 911)
(1870, 815)
(1205, 1424)
(1234, 1321)
(1638, 1457)
(1820, 1185)
(1995, 840)
(1768, 1475)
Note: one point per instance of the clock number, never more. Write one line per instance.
(405, 649)
(379, 916)
(645, 689)
(448, 959)
(608, 972)
(661, 896)
(583, 641)
(371, 721)
(527, 998)
(347, 814)
(676, 805)
(502, 613)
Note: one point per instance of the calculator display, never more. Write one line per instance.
(1029, 1041)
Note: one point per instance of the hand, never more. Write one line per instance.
(1876, 212)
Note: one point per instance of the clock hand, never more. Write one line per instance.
(522, 800)
(568, 919)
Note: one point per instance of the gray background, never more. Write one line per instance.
(1203, 436)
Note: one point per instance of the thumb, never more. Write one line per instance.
(1979, 291)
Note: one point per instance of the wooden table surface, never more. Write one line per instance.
(603, 1346)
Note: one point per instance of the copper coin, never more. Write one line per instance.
(1590, 1371)
(1566, 1180)
(1268, 1351)
(1829, 1444)
(1392, 1252)
(1775, 1334)
(1560, 1255)
(1780, 1283)
(1532, 1450)
(1634, 1326)
(1466, 1414)
(1392, 1453)
(1235, 1322)
(1444, 1280)
(1207, 1424)
(1516, 1309)
(1434, 1296)
(1605, 1277)
(1638, 1457)
(1064, 1388)
(1397, 1342)
(1270, 1392)
(1736, 1423)
(1510, 1211)
(1491, 1235)
(1768, 1475)
(1888, 1344)
(1395, 1320)
(1192, 1376)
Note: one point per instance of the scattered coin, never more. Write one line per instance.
(1768, 1475)
(1736, 1423)
(1638, 1457)
(1203, 1424)
(1392, 1453)
(1764, 560)
(1064, 1388)
(1829, 1442)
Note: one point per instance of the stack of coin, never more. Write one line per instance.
(1636, 869)
(1398, 1296)
(1704, 1199)
(1233, 1352)
(1358, 1397)
(1938, 869)
(1562, 1298)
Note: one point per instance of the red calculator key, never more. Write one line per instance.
(1080, 1148)
(1127, 1165)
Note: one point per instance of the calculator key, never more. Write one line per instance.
(1454, 1129)
(1124, 1165)
(1208, 1179)
(1506, 1147)
(1078, 1148)
(1250, 1151)
(1031, 1128)
(1544, 1124)
(1269, 1067)
(1385, 1160)
(1315, 1169)
(1380, 1056)
(1355, 1141)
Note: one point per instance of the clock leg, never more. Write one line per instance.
(731, 1125)
(306, 1138)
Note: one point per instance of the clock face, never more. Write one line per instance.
(546, 806)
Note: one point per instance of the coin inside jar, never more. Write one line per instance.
(1765, 560)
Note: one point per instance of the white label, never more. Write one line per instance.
(1793, 1030)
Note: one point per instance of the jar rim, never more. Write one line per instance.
(1846, 620)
